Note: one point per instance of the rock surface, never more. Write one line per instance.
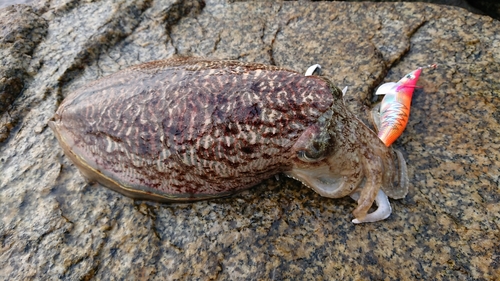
(22, 29)
(54, 225)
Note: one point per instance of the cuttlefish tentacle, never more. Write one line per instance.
(383, 211)
(404, 182)
(373, 170)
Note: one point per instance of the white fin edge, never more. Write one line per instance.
(311, 69)
(344, 90)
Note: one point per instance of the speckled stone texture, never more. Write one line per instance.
(55, 226)
(21, 29)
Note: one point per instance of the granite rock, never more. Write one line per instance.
(56, 226)
(21, 30)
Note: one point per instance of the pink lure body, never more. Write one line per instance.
(395, 107)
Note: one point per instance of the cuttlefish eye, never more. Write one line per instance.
(307, 157)
(310, 156)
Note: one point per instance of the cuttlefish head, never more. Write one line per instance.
(340, 156)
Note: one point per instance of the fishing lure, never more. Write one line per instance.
(394, 111)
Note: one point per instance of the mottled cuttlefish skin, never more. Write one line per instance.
(187, 129)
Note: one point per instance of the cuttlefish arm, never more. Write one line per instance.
(359, 165)
(340, 156)
(383, 211)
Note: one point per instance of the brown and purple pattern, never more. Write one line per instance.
(190, 129)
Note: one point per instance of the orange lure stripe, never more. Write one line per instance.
(395, 107)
